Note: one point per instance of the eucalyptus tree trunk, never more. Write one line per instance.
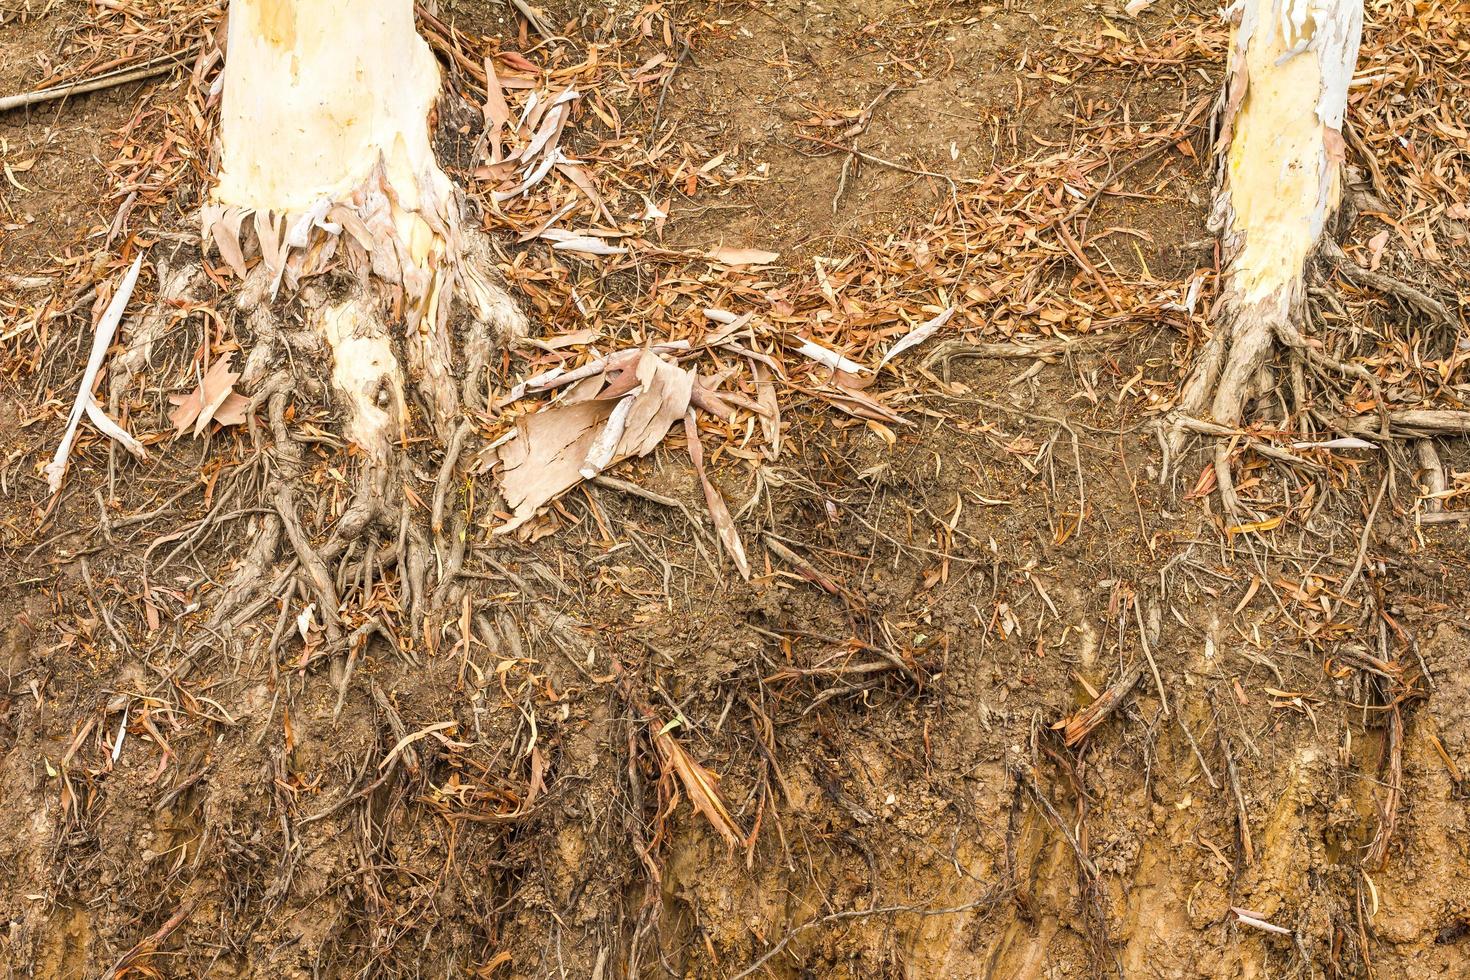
(1279, 156)
(362, 288)
(326, 163)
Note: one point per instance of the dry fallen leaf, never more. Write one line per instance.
(741, 256)
(1375, 249)
(859, 405)
(917, 335)
(770, 416)
(719, 513)
(497, 113)
(584, 336)
(214, 400)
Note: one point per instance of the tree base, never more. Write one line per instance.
(1228, 374)
(395, 409)
(1234, 369)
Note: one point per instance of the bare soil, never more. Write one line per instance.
(54, 150)
(892, 748)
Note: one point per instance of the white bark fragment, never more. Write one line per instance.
(600, 456)
(829, 358)
(85, 402)
(917, 335)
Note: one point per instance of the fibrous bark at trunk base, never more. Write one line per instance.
(328, 176)
(1279, 156)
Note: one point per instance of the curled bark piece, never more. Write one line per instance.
(552, 450)
(606, 443)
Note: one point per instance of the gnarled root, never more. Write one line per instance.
(333, 346)
(1227, 373)
(1234, 369)
(1230, 372)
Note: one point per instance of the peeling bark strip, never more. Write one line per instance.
(1279, 167)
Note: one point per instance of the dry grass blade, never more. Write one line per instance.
(701, 785)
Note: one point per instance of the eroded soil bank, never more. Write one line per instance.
(903, 709)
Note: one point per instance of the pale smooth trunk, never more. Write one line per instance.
(1279, 158)
(326, 163)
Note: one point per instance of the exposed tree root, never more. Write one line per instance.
(1415, 298)
(176, 280)
(1245, 377)
(1227, 376)
(1227, 371)
(331, 346)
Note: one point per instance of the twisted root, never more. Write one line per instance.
(378, 535)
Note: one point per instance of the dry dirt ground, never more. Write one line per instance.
(895, 707)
